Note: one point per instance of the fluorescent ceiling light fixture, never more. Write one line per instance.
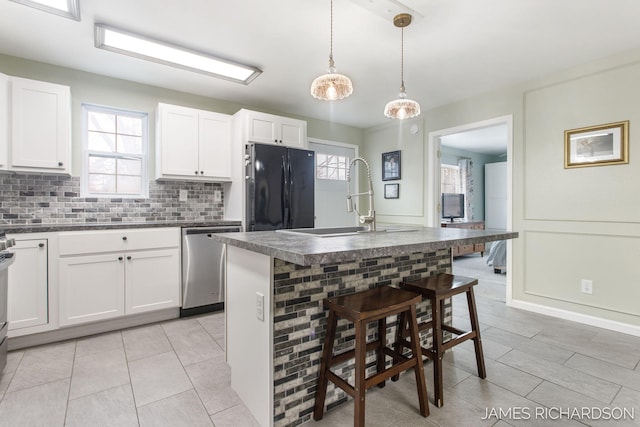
(126, 43)
(67, 8)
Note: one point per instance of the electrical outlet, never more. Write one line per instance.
(260, 306)
(184, 195)
(217, 196)
(586, 286)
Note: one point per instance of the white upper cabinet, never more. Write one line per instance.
(192, 144)
(269, 129)
(4, 122)
(40, 127)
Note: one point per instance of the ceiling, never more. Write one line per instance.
(490, 140)
(453, 49)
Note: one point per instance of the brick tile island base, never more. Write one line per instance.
(274, 317)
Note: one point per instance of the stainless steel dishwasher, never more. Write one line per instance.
(203, 270)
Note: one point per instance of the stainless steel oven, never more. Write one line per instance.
(7, 257)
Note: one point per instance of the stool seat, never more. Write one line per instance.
(360, 308)
(437, 288)
(443, 285)
(371, 304)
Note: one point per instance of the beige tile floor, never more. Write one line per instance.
(173, 374)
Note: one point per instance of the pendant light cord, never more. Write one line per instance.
(331, 36)
(401, 57)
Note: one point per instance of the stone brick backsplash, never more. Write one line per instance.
(52, 199)
(299, 323)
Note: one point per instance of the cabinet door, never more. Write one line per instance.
(262, 128)
(41, 121)
(28, 285)
(152, 280)
(293, 133)
(178, 141)
(91, 288)
(215, 145)
(4, 122)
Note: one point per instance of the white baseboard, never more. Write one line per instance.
(586, 319)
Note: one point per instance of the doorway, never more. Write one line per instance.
(488, 141)
(332, 162)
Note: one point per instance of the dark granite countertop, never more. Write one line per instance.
(48, 228)
(308, 250)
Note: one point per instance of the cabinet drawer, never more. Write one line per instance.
(87, 242)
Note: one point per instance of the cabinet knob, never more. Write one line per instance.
(60, 164)
(129, 257)
(41, 245)
(201, 172)
(120, 258)
(196, 172)
(124, 238)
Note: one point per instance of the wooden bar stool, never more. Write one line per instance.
(438, 288)
(360, 308)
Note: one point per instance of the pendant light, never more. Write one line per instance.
(402, 108)
(331, 86)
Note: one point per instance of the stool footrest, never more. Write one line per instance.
(350, 354)
(460, 339)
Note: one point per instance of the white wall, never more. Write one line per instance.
(573, 223)
(409, 207)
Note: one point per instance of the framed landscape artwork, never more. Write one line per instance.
(597, 145)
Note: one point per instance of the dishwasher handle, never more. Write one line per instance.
(209, 230)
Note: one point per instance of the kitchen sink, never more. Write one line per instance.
(339, 231)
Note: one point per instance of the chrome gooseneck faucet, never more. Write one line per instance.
(370, 217)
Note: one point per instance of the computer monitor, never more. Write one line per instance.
(452, 206)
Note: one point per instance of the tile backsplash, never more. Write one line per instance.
(52, 199)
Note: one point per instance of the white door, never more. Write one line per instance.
(331, 194)
(152, 280)
(28, 285)
(215, 144)
(40, 125)
(495, 195)
(179, 136)
(91, 288)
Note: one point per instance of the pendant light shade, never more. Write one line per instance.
(331, 86)
(402, 108)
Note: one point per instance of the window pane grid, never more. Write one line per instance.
(330, 166)
(116, 152)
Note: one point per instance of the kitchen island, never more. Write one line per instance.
(275, 322)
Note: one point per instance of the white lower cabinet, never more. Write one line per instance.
(150, 280)
(91, 288)
(28, 304)
(109, 283)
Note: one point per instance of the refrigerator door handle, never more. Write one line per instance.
(290, 197)
(284, 199)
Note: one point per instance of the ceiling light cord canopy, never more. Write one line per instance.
(402, 108)
(331, 86)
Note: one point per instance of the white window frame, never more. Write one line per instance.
(346, 168)
(144, 156)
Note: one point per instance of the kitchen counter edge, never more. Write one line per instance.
(309, 250)
(51, 228)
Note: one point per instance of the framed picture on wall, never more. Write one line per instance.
(391, 166)
(597, 145)
(391, 191)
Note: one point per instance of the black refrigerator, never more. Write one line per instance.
(280, 187)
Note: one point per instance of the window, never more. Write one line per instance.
(115, 152)
(450, 179)
(329, 166)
